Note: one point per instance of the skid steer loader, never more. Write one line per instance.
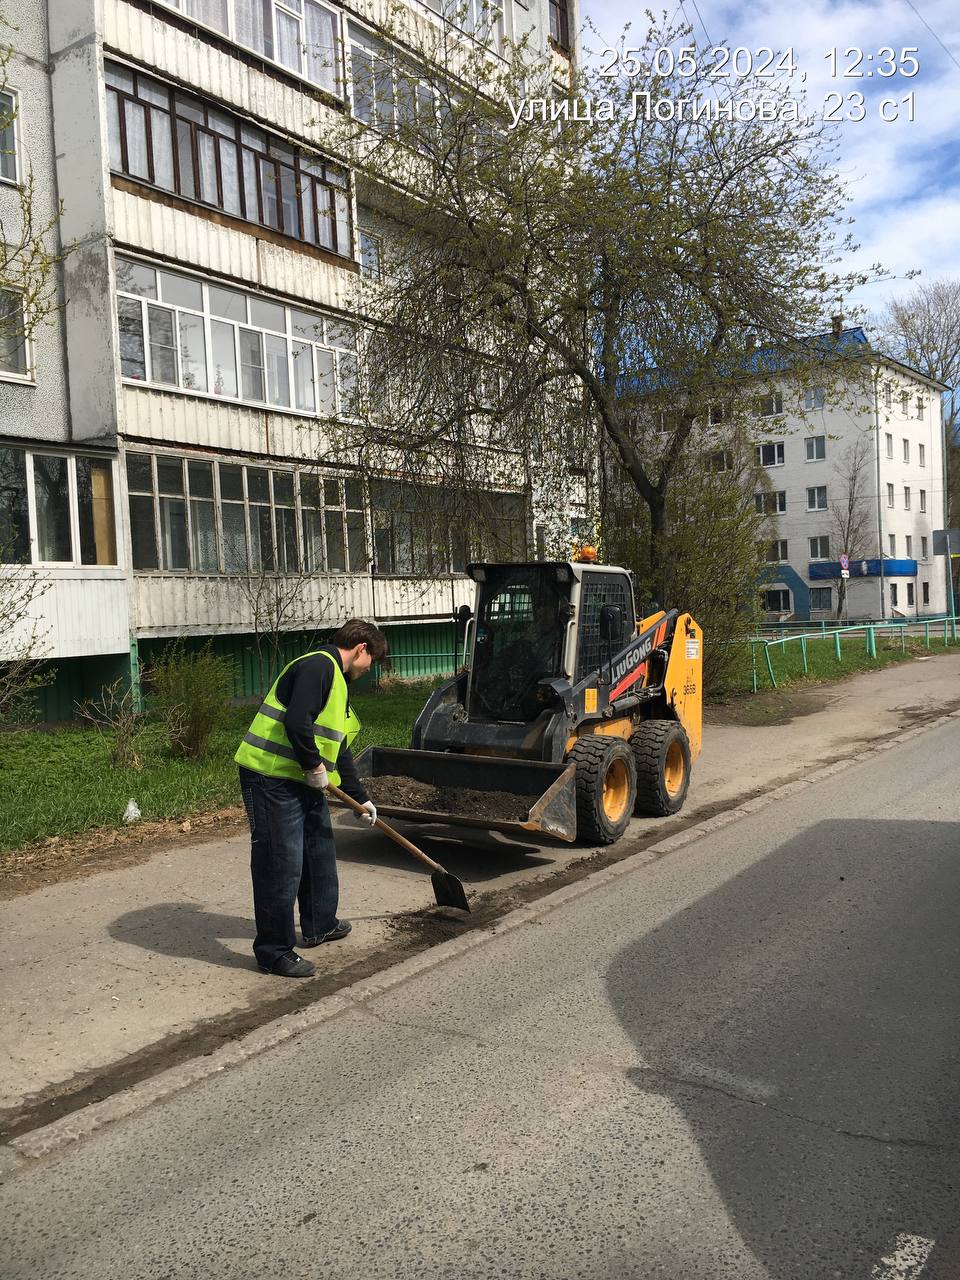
(567, 706)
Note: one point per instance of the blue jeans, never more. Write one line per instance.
(292, 859)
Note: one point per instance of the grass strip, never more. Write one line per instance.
(59, 781)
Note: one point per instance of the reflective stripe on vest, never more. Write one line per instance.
(266, 748)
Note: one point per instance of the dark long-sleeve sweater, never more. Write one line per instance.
(304, 691)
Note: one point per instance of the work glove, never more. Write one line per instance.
(369, 815)
(317, 778)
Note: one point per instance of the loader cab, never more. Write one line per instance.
(521, 617)
(606, 618)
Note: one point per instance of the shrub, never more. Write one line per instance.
(189, 695)
(114, 716)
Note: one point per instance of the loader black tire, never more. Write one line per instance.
(606, 787)
(662, 754)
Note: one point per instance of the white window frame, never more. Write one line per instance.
(364, 234)
(906, 449)
(923, 546)
(247, 464)
(908, 539)
(29, 377)
(775, 398)
(776, 494)
(921, 408)
(14, 95)
(779, 546)
(889, 443)
(911, 596)
(231, 34)
(814, 398)
(906, 497)
(778, 453)
(208, 317)
(821, 537)
(890, 496)
(819, 608)
(815, 490)
(892, 545)
(922, 460)
(923, 499)
(812, 441)
(73, 507)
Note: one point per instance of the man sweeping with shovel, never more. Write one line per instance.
(298, 744)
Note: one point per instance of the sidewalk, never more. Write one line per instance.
(115, 972)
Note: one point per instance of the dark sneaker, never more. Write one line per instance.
(292, 966)
(340, 930)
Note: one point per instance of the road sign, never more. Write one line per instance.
(844, 573)
(844, 561)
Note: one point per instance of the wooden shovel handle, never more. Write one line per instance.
(404, 843)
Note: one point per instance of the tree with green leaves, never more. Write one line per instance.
(552, 284)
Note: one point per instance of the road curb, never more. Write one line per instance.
(19, 1152)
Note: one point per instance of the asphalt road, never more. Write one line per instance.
(738, 1061)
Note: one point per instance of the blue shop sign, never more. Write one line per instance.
(820, 569)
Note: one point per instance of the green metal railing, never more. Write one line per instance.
(927, 627)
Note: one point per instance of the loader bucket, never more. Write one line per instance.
(527, 797)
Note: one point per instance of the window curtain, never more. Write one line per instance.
(254, 26)
(212, 12)
(322, 55)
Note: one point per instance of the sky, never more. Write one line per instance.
(904, 176)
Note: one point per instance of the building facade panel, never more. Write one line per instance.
(897, 422)
(75, 615)
(33, 386)
(401, 599)
(168, 605)
(156, 41)
(169, 454)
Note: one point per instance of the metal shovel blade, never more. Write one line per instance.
(449, 891)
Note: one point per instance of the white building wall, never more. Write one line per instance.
(844, 418)
(80, 395)
(79, 120)
(76, 610)
(36, 407)
(73, 615)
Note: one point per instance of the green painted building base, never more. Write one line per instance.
(417, 652)
(75, 680)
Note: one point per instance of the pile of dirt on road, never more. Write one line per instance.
(406, 793)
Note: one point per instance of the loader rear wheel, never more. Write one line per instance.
(662, 755)
(606, 787)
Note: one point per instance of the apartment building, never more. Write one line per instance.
(159, 436)
(877, 447)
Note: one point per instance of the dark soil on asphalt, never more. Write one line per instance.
(406, 793)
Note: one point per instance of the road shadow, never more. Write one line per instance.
(803, 1018)
(186, 931)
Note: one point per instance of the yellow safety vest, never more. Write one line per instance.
(266, 748)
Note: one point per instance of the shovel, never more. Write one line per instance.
(447, 889)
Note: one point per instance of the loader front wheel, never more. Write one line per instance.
(606, 787)
(662, 755)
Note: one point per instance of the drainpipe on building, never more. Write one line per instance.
(876, 424)
(946, 511)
